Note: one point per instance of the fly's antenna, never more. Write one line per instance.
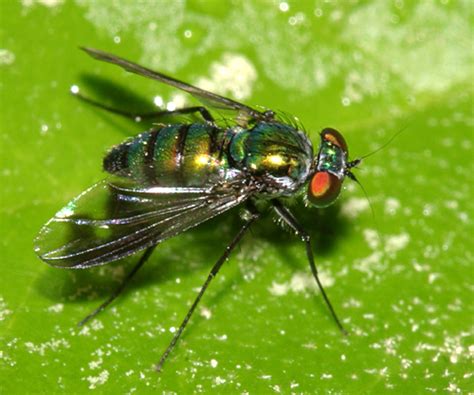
(386, 143)
(354, 178)
(357, 161)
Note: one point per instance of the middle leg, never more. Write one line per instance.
(292, 222)
(215, 269)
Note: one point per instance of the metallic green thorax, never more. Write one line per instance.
(276, 154)
(202, 154)
(332, 159)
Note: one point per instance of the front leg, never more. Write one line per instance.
(292, 222)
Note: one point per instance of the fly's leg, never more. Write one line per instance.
(254, 216)
(291, 221)
(119, 290)
(148, 115)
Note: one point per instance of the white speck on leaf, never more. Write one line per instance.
(278, 289)
(46, 3)
(301, 282)
(219, 380)
(6, 57)
(354, 206)
(56, 308)
(4, 311)
(206, 313)
(372, 238)
(233, 75)
(370, 264)
(85, 331)
(294, 385)
(95, 364)
(396, 242)
(94, 381)
(42, 348)
(392, 206)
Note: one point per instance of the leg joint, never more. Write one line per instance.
(305, 237)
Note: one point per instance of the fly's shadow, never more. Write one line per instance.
(326, 228)
(96, 91)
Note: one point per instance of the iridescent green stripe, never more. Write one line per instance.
(164, 154)
(149, 162)
(136, 156)
(195, 152)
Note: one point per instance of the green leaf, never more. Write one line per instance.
(368, 69)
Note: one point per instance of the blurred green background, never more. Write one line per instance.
(367, 68)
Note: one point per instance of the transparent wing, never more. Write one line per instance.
(111, 220)
(214, 100)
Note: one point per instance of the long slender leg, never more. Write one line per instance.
(148, 115)
(211, 275)
(121, 287)
(289, 219)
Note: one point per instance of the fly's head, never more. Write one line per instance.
(330, 167)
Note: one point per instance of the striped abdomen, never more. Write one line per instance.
(172, 155)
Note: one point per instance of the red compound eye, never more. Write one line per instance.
(324, 189)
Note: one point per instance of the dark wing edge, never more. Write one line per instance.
(108, 222)
(215, 100)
